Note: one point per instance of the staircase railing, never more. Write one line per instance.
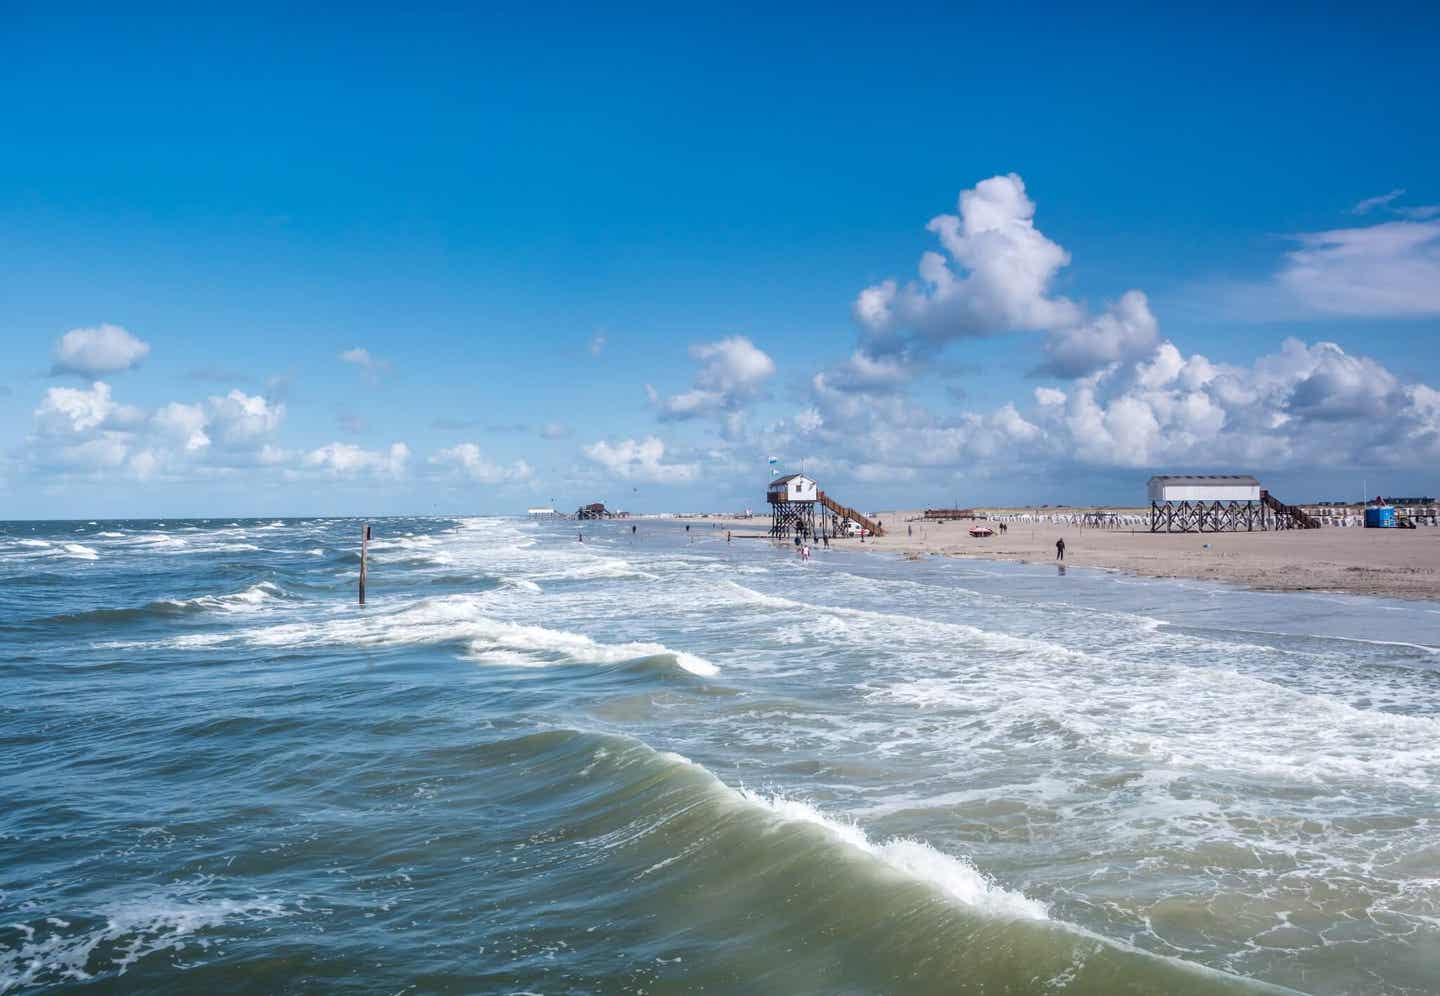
(845, 512)
(1290, 515)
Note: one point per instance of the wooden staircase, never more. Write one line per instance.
(845, 512)
(1288, 516)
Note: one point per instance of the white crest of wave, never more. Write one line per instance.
(81, 552)
(453, 618)
(513, 639)
(51, 952)
(37, 544)
(955, 877)
(240, 601)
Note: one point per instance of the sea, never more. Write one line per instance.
(660, 761)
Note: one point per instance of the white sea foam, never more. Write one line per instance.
(955, 877)
(35, 543)
(450, 619)
(53, 951)
(80, 552)
(255, 595)
(604, 569)
(913, 627)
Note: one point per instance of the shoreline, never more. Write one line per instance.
(1386, 563)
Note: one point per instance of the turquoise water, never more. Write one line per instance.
(663, 763)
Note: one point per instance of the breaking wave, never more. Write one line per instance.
(251, 598)
(795, 879)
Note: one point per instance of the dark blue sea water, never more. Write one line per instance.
(662, 763)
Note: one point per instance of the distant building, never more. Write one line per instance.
(541, 513)
(594, 510)
(1219, 503)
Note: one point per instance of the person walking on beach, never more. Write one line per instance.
(1060, 549)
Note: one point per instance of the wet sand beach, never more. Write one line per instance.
(1394, 563)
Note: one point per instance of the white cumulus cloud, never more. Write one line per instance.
(1127, 331)
(183, 422)
(996, 278)
(732, 372)
(640, 460)
(103, 349)
(996, 274)
(347, 460)
(240, 419)
(468, 458)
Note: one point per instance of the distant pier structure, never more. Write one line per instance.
(799, 507)
(1219, 503)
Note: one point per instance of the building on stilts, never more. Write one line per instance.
(799, 507)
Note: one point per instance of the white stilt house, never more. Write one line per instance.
(1218, 503)
(799, 506)
(792, 501)
(792, 487)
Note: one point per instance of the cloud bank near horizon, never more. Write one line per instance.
(1109, 390)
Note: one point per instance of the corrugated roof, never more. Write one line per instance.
(1231, 480)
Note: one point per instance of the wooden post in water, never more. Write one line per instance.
(364, 543)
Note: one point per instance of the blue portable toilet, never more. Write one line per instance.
(1380, 517)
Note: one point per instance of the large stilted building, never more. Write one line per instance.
(1218, 503)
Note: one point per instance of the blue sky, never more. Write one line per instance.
(623, 254)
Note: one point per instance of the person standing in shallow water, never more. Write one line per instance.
(1060, 549)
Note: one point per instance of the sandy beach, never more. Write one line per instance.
(1390, 562)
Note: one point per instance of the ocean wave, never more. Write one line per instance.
(249, 599)
(458, 619)
(239, 601)
(955, 877)
(514, 643)
(897, 915)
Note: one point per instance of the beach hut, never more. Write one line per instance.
(791, 487)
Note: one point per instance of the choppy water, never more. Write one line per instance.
(668, 764)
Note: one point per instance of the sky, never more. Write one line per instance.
(376, 260)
